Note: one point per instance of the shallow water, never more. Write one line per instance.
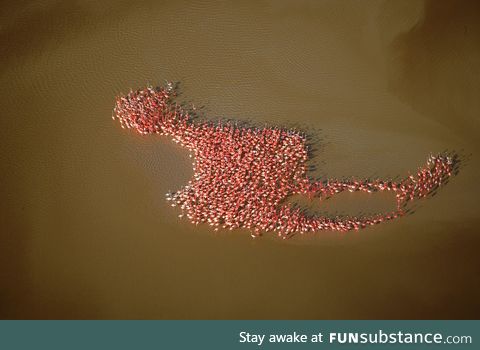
(380, 84)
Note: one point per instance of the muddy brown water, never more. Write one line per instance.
(86, 232)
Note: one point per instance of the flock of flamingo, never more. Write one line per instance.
(243, 175)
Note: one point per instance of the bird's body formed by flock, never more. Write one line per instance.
(242, 175)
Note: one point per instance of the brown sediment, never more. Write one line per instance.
(434, 65)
